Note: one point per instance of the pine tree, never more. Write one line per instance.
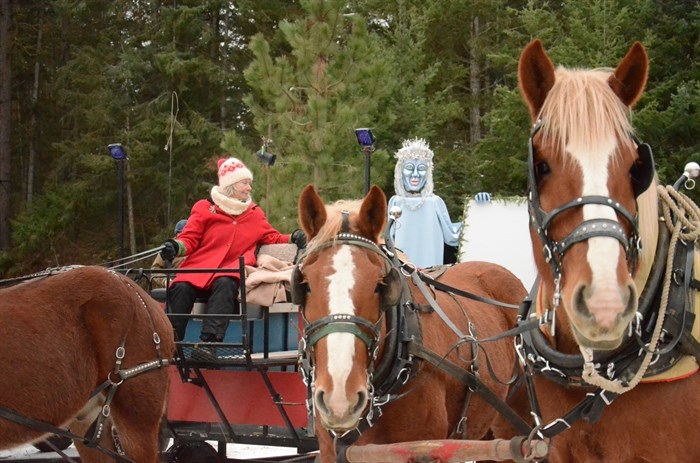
(307, 100)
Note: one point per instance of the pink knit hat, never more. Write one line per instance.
(232, 170)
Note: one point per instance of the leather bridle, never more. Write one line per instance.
(642, 174)
(395, 367)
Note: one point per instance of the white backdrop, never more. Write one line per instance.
(496, 230)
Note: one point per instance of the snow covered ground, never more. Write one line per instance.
(27, 452)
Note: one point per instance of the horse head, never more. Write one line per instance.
(586, 171)
(343, 283)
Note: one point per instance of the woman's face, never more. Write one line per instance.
(414, 175)
(241, 189)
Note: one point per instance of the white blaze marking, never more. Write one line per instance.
(341, 346)
(603, 252)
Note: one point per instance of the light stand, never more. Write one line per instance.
(267, 159)
(118, 153)
(366, 141)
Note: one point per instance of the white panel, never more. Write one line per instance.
(497, 231)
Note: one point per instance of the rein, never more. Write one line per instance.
(452, 290)
(119, 265)
(32, 276)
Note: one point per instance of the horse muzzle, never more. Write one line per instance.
(600, 317)
(337, 413)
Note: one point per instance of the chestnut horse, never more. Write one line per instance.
(80, 346)
(379, 358)
(616, 363)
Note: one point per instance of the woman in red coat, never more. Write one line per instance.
(217, 233)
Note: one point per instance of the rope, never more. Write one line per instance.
(684, 210)
(682, 217)
(174, 109)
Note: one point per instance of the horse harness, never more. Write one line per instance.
(535, 353)
(403, 346)
(114, 379)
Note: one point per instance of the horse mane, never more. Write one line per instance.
(334, 222)
(581, 110)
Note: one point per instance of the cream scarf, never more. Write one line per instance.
(229, 205)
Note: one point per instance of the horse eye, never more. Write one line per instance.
(542, 169)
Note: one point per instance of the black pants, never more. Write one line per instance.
(223, 299)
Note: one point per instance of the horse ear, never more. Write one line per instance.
(312, 211)
(630, 76)
(373, 214)
(535, 76)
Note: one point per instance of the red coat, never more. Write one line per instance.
(215, 239)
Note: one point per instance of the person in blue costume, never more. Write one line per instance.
(424, 228)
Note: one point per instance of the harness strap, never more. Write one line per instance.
(45, 427)
(474, 383)
(60, 452)
(460, 430)
(341, 323)
(433, 303)
(449, 289)
(588, 409)
(112, 386)
(521, 328)
(143, 368)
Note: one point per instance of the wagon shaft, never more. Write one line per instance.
(448, 451)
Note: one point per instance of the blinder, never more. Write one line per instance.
(643, 169)
(391, 292)
(298, 287)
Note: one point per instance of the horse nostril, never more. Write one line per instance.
(631, 305)
(580, 301)
(361, 402)
(320, 402)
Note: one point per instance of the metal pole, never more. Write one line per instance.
(368, 155)
(121, 209)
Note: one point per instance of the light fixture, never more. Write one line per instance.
(117, 151)
(365, 138)
(265, 156)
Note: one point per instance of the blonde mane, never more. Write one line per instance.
(582, 110)
(334, 222)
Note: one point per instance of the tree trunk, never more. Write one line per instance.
(5, 123)
(34, 131)
(129, 198)
(130, 210)
(474, 85)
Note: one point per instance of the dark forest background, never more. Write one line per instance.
(179, 83)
